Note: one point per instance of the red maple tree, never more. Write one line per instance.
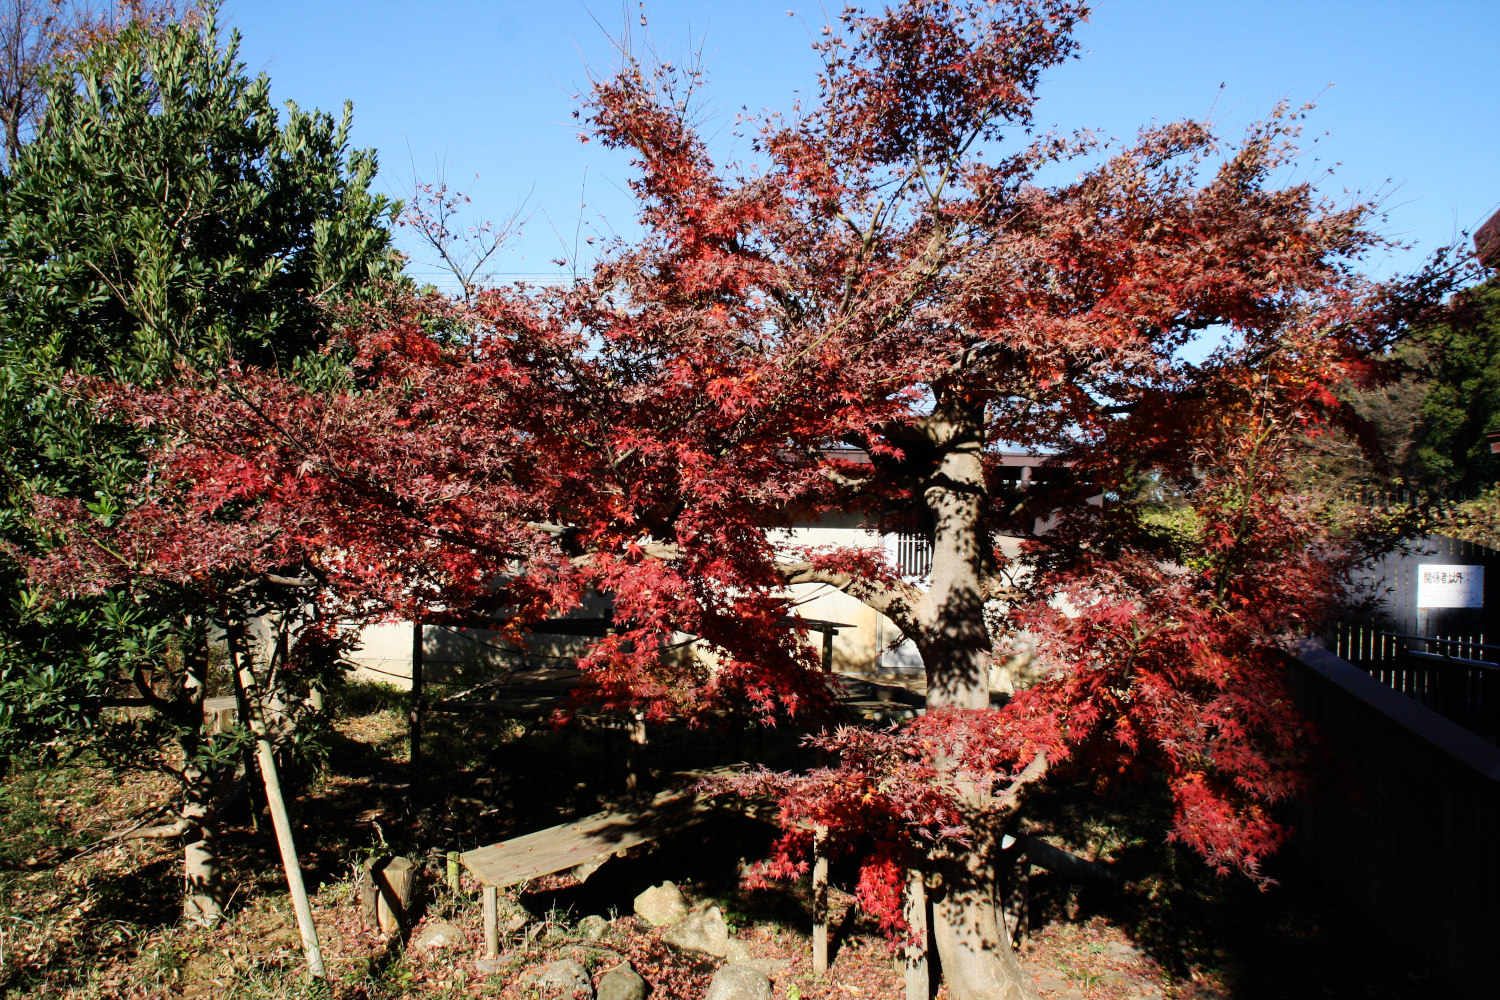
(896, 278)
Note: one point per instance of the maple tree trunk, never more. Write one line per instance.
(976, 955)
(952, 638)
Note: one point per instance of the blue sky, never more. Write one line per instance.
(461, 88)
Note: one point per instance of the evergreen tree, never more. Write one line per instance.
(1462, 403)
(165, 217)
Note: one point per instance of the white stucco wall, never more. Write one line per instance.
(868, 644)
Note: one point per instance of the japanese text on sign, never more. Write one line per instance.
(1443, 586)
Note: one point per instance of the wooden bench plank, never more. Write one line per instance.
(585, 842)
(594, 839)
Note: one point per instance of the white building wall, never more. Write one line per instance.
(868, 642)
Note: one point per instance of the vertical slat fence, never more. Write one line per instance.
(1406, 832)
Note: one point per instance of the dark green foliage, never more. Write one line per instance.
(166, 214)
(166, 211)
(1462, 403)
(1424, 429)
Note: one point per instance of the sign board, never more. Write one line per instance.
(1440, 585)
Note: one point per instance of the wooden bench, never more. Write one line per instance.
(582, 846)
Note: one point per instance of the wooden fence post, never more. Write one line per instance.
(395, 884)
(637, 737)
(491, 922)
(242, 705)
(369, 896)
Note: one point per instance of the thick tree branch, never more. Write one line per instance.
(306, 580)
(148, 694)
(900, 602)
(166, 832)
(1008, 802)
(1065, 863)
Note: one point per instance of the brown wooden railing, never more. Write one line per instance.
(1406, 828)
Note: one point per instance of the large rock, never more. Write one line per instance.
(765, 966)
(704, 931)
(512, 915)
(1057, 986)
(491, 966)
(661, 905)
(593, 927)
(437, 935)
(566, 979)
(622, 983)
(738, 953)
(735, 982)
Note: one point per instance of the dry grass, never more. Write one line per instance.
(82, 922)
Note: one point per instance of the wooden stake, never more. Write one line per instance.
(820, 901)
(453, 871)
(918, 978)
(243, 705)
(247, 685)
(491, 922)
(369, 896)
(395, 882)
